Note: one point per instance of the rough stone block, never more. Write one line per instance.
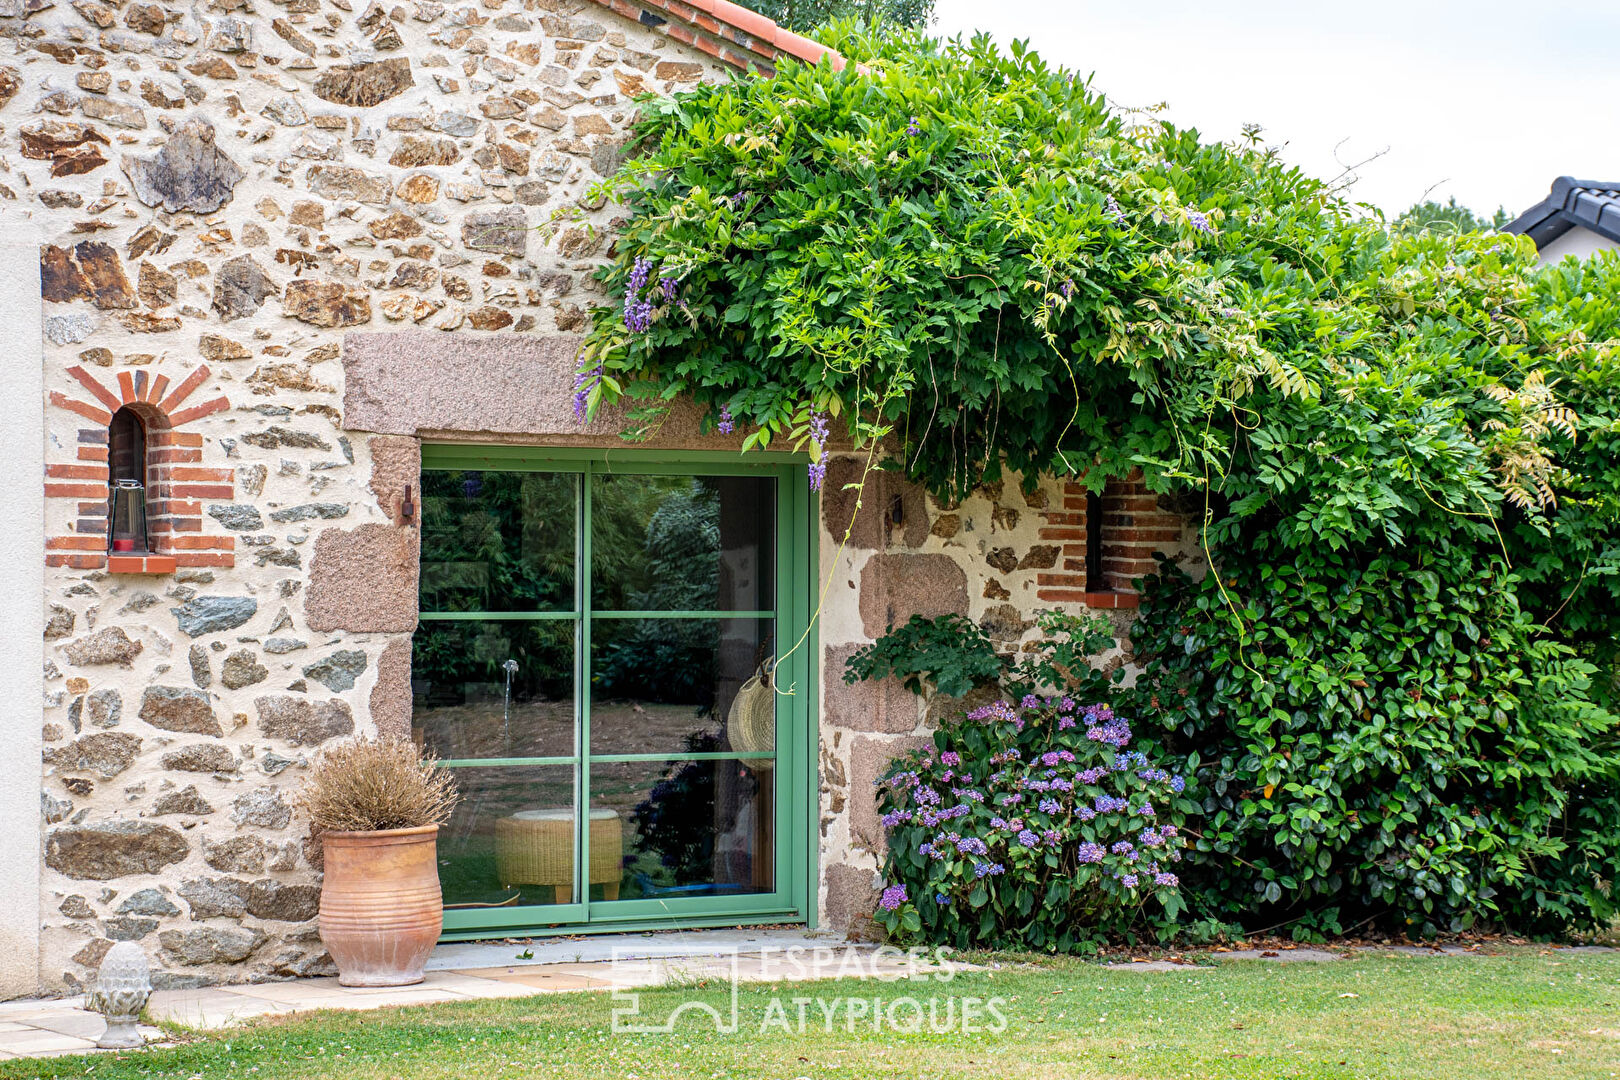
(363, 579)
(883, 706)
(896, 587)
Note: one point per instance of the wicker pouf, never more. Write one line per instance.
(536, 847)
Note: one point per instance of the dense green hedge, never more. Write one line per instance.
(1403, 441)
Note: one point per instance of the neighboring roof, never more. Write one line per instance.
(1591, 204)
(726, 31)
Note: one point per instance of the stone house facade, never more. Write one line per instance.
(297, 240)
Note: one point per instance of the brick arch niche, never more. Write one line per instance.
(176, 479)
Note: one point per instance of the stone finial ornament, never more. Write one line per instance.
(122, 987)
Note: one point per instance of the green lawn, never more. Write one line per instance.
(1525, 1013)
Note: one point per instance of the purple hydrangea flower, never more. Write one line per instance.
(1086, 813)
(1128, 880)
(1028, 839)
(1121, 847)
(950, 757)
(893, 897)
(1164, 877)
(1178, 784)
(1050, 806)
(1089, 852)
(892, 818)
(942, 900)
(996, 710)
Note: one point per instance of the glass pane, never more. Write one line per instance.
(670, 686)
(498, 541)
(690, 828)
(493, 688)
(683, 543)
(510, 841)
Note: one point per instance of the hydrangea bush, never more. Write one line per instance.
(1033, 826)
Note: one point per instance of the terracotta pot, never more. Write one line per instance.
(381, 908)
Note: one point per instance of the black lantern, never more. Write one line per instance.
(128, 516)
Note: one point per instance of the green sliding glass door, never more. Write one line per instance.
(612, 657)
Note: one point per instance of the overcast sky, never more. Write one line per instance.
(1484, 100)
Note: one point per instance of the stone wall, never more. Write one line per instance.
(222, 190)
(999, 556)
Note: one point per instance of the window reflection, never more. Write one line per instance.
(683, 543)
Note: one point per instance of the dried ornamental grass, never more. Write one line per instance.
(368, 785)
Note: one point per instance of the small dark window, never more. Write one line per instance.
(1094, 527)
(126, 461)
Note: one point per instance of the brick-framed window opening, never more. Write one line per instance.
(126, 465)
(1108, 540)
(173, 477)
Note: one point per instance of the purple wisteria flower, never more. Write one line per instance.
(584, 383)
(818, 444)
(1089, 852)
(725, 426)
(666, 285)
(914, 128)
(637, 311)
(893, 897)
(1067, 288)
(1111, 208)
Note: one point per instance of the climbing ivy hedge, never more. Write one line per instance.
(1404, 441)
